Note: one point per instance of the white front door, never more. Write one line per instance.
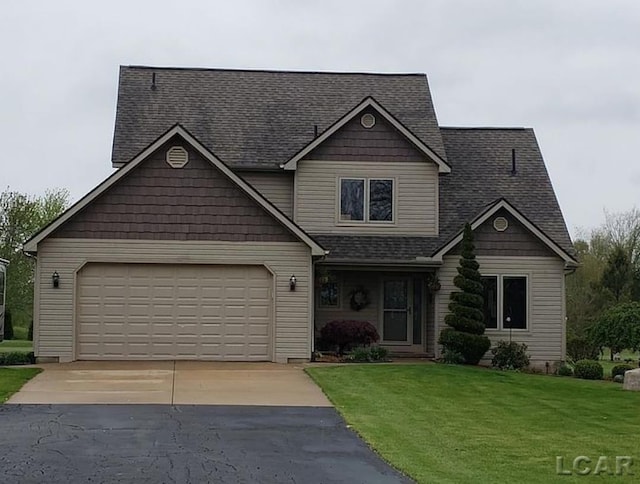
(396, 307)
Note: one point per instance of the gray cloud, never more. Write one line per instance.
(567, 69)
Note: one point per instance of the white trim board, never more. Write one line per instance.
(32, 244)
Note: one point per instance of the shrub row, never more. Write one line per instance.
(17, 358)
(368, 355)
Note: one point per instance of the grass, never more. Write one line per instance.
(608, 365)
(18, 345)
(454, 424)
(12, 379)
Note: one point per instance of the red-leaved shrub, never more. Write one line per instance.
(345, 335)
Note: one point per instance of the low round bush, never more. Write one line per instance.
(471, 346)
(368, 355)
(564, 370)
(588, 370)
(620, 369)
(509, 355)
(343, 335)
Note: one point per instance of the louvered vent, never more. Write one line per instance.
(500, 224)
(368, 120)
(177, 157)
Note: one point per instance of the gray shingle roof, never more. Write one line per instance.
(259, 119)
(480, 160)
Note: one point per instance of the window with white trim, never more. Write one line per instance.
(505, 302)
(368, 200)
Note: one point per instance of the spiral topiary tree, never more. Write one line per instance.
(465, 334)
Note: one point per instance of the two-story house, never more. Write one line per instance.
(249, 208)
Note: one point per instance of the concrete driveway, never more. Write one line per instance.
(173, 383)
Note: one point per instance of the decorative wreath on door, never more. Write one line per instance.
(359, 298)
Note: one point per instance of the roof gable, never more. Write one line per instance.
(258, 119)
(158, 202)
(369, 105)
(503, 206)
(232, 182)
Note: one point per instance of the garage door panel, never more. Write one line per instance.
(146, 311)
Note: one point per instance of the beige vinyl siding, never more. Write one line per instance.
(275, 187)
(54, 316)
(545, 334)
(415, 196)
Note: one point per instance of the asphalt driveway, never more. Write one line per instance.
(183, 444)
(173, 383)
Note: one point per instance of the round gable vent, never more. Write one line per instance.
(368, 120)
(500, 224)
(177, 157)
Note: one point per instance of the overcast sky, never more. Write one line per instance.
(569, 69)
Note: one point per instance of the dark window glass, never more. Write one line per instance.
(352, 199)
(329, 294)
(514, 304)
(490, 301)
(381, 200)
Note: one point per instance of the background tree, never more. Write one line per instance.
(465, 335)
(609, 271)
(618, 328)
(21, 216)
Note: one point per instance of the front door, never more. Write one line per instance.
(396, 318)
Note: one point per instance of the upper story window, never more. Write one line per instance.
(366, 200)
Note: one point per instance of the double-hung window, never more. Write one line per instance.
(505, 302)
(367, 200)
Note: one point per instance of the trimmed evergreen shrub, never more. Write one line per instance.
(465, 334)
(580, 348)
(341, 335)
(620, 370)
(30, 334)
(510, 356)
(588, 370)
(8, 325)
(451, 357)
(472, 347)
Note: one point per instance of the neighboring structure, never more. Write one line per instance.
(3, 294)
(249, 208)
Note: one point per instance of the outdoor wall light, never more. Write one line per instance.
(292, 283)
(55, 278)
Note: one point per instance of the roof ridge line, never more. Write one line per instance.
(274, 71)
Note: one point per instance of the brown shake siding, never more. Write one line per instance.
(353, 142)
(157, 202)
(515, 241)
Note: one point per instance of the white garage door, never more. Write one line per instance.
(161, 311)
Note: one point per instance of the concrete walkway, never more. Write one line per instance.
(174, 383)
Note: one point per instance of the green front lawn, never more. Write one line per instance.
(454, 424)
(12, 379)
(17, 345)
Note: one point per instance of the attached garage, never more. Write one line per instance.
(173, 259)
(166, 311)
